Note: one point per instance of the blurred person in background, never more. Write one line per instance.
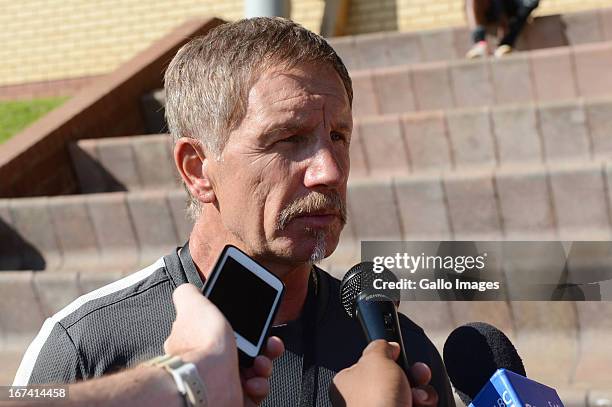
(508, 16)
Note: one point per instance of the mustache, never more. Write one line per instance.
(313, 202)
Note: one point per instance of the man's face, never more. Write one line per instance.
(280, 183)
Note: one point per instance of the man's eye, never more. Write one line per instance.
(297, 138)
(336, 136)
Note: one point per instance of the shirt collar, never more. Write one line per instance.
(182, 269)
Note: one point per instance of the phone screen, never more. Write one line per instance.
(244, 299)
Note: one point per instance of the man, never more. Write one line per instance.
(509, 16)
(209, 343)
(260, 111)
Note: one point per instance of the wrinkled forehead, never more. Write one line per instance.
(302, 90)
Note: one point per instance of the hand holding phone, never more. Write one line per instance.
(248, 295)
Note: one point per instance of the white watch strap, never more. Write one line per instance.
(187, 379)
(193, 387)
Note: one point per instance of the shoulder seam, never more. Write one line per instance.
(115, 302)
(76, 350)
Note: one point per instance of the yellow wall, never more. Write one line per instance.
(57, 39)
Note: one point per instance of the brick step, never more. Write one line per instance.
(391, 144)
(548, 75)
(535, 76)
(572, 397)
(482, 137)
(10, 362)
(124, 163)
(563, 344)
(569, 201)
(118, 230)
(400, 48)
(124, 230)
(566, 200)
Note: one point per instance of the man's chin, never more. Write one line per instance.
(309, 250)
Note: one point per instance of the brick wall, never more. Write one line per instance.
(45, 40)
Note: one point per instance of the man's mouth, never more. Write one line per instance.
(318, 218)
(319, 213)
(314, 210)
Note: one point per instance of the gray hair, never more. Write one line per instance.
(208, 81)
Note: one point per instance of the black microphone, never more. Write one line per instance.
(473, 353)
(376, 309)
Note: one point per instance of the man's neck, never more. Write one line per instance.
(296, 291)
(205, 252)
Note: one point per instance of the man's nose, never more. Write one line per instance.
(326, 167)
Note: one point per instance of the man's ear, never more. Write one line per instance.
(192, 164)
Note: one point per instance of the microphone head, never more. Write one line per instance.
(473, 352)
(358, 283)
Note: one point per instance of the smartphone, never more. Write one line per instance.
(248, 296)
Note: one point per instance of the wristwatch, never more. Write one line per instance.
(187, 379)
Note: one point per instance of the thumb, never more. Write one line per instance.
(394, 350)
(187, 298)
(389, 350)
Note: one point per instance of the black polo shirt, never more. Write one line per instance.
(126, 322)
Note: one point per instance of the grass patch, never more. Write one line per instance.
(17, 115)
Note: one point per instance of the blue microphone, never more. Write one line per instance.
(506, 388)
(487, 371)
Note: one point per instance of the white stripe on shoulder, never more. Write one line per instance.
(31, 355)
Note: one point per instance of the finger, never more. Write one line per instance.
(256, 388)
(274, 347)
(421, 374)
(262, 366)
(425, 396)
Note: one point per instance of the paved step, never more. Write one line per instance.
(124, 163)
(91, 232)
(547, 75)
(569, 201)
(482, 137)
(395, 48)
(10, 362)
(537, 76)
(576, 335)
(124, 230)
(561, 343)
(392, 144)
